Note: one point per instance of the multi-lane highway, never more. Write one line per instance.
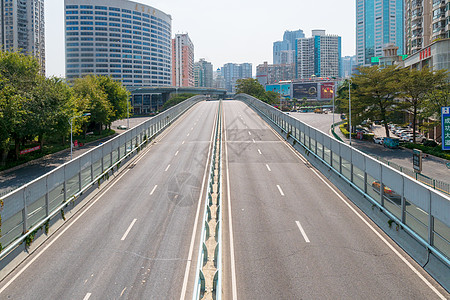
(294, 235)
(288, 233)
(135, 240)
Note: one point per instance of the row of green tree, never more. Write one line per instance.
(34, 108)
(252, 87)
(381, 93)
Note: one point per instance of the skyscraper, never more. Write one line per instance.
(425, 22)
(319, 55)
(183, 61)
(284, 51)
(378, 22)
(203, 73)
(232, 72)
(22, 28)
(126, 40)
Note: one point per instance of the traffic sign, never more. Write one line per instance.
(445, 119)
(417, 160)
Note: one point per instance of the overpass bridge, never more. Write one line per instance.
(295, 210)
(145, 100)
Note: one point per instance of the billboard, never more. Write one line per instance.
(304, 90)
(326, 90)
(445, 127)
(285, 89)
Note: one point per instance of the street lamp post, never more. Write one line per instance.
(71, 123)
(128, 114)
(350, 111)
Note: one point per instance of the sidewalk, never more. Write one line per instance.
(15, 177)
(432, 166)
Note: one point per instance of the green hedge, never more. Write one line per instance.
(436, 151)
(345, 132)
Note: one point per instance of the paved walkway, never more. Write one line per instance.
(13, 178)
(433, 167)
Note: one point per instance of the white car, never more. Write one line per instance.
(378, 140)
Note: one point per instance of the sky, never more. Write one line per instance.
(227, 31)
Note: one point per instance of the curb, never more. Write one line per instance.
(35, 161)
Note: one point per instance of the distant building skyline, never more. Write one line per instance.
(319, 55)
(182, 60)
(231, 72)
(284, 51)
(203, 73)
(269, 74)
(23, 28)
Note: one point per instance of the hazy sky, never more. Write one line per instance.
(226, 31)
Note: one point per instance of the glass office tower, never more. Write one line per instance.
(378, 23)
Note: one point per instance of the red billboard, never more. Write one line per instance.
(326, 90)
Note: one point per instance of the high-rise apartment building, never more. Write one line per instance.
(183, 61)
(378, 22)
(425, 22)
(203, 73)
(284, 51)
(348, 64)
(319, 56)
(232, 72)
(23, 28)
(269, 74)
(126, 40)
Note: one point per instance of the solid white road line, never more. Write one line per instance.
(268, 168)
(88, 295)
(302, 231)
(194, 230)
(167, 168)
(60, 234)
(176, 153)
(259, 151)
(366, 222)
(154, 188)
(230, 224)
(128, 230)
(281, 191)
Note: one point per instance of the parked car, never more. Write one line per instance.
(387, 192)
(122, 127)
(378, 140)
(390, 142)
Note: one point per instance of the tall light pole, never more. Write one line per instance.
(128, 114)
(334, 92)
(350, 111)
(71, 123)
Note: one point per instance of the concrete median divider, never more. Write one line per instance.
(208, 276)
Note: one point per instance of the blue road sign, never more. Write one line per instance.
(445, 127)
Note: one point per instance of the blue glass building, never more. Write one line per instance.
(378, 23)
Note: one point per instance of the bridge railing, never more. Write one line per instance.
(31, 206)
(417, 208)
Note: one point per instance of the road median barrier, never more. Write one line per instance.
(208, 276)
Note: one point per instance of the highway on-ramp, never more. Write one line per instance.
(293, 236)
(134, 241)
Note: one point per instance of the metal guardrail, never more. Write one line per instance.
(26, 209)
(421, 211)
(431, 182)
(208, 276)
